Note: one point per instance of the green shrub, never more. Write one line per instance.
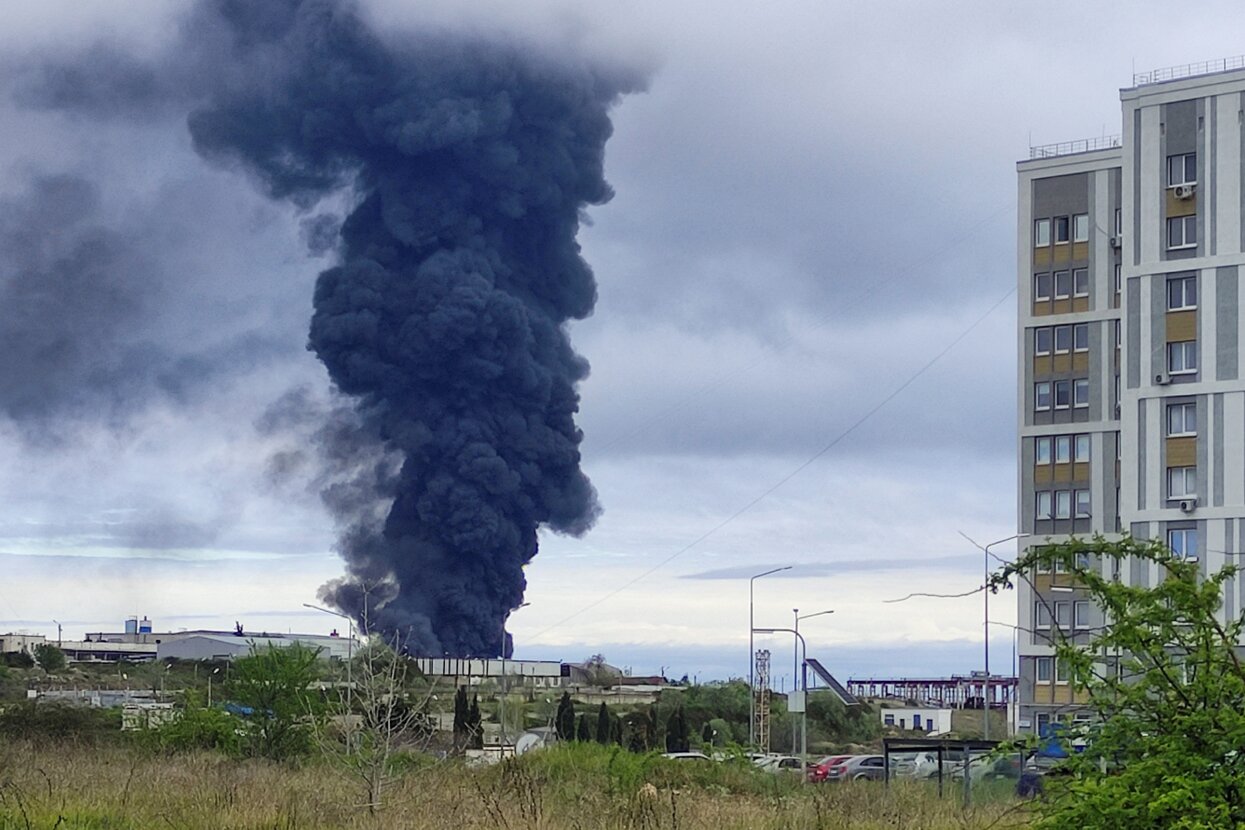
(41, 722)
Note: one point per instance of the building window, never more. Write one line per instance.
(1063, 339)
(1117, 278)
(1043, 505)
(1182, 357)
(1061, 230)
(1181, 293)
(1042, 723)
(1082, 504)
(1080, 227)
(1080, 337)
(1080, 282)
(1063, 285)
(1181, 419)
(1041, 287)
(1082, 560)
(1183, 542)
(1181, 482)
(1082, 449)
(1182, 232)
(1063, 614)
(1063, 394)
(1063, 449)
(1041, 451)
(1182, 169)
(1080, 393)
(1041, 341)
(1041, 396)
(888, 720)
(1062, 673)
(1044, 670)
(1063, 504)
(1041, 233)
(1119, 222)
(1080, 614)
(1041, 614)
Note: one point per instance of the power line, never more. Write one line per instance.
(793, 473)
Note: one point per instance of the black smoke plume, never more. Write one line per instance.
(470, 161)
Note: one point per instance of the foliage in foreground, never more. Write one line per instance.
(585, 786)
(1165, 684)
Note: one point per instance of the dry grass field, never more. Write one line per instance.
(577, 788)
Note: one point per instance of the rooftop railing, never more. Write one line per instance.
(1188, 70)
(1067, 148)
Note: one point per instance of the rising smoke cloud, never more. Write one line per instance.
(468, 161)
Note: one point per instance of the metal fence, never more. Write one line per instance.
(1188, 70)
(1067, 148)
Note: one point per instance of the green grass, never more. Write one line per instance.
(567, 788)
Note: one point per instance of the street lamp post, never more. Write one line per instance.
(985, 627)
(752, 716)
(501, 682)
(349, 659)
(801, 678)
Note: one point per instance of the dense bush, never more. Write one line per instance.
(59, 722)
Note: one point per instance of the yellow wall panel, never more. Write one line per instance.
(1182, 452)
(1080, 361)
(1080, 251)
(1063, 473)
(1063, 254)
(1041, 256)
(1080, 303)
(1181, 325)
(1180, 207)
(1061, 307)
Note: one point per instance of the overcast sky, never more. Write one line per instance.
(814, 199)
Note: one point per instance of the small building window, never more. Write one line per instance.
(1082, 504)
(1063, 449)
(1041, 233)
(1183, 542)
(1063, 285)
(1082, 449)
(1182, 357)
(1181, 293)
(1063, 504)
(1061, 230)
(1041, 396)
(1182, 169)
(1041, 341)
(1043, 505)
(1182, 232)
(1041, 287)
(1080, 282)
(1041, 614)
(1080, 614)
(1063, 339)
(1080, 227)
(1080, 337)
(1041, 451)
(1080, 393)
(1181, 482)
(1181, 419)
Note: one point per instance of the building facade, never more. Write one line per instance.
(1131, 387)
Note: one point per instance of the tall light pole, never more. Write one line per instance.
(349, 659)
(985, 627)
(752, 716)
(58, 633)
(800, 681)
(501, 684)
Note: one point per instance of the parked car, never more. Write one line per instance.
(859, 768)
(818, 771)
(915, 765)
(781, 764)
(686, 756)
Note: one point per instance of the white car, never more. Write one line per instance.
(686, 756)
(780, 763)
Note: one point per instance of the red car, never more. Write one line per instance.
(819, 771)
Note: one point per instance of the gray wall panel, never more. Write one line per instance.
(1061, 195)
(1216, 437)
(1141, 455)
(1158, 327)
(1227, 315)
(1132, 303)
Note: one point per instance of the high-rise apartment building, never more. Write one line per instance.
(1131, 258)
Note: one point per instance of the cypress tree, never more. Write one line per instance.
(583, 733)
(460, 716)
(604, 729)
(616, 731)
(565, 720)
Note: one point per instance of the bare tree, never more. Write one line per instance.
(381, 715)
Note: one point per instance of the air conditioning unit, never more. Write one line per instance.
(1116, 241)
(1184, 191)
(1188, 505)
(1117, 412)
(1162, 379)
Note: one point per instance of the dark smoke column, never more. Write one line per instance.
(446, 318)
